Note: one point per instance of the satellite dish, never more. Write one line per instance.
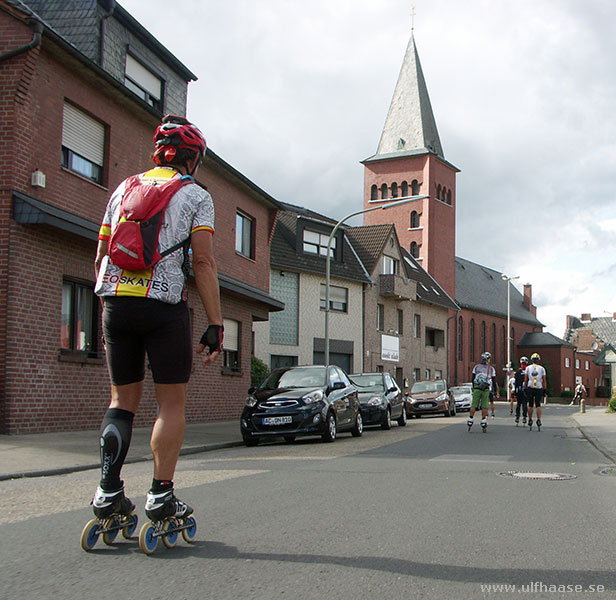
(594, 345)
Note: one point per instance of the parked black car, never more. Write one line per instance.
(380, 399)
(306, 400)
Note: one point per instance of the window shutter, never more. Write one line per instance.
(232, 331)
(146, 79)
(83, 135)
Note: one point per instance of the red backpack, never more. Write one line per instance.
(133, 244)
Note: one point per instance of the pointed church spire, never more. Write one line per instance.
(410, 126)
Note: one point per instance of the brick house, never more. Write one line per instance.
(566, 365)
(405, 310)
(82, 87)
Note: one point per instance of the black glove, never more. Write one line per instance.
(212, 338)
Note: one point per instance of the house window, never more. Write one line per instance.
(141, 81)
(567, 362)
(390, 265)
(586, 365)
(338, 298)
(416, 374)
(79, 326)
(244, 235)
(380, 317)
(438, 374)
(428, 373)
(577, 363)
(400, 321)
(417, 326)
(414, 250)
(83, 143)
(414, 219)
(316, 243)
(435, 337)
(231, 346)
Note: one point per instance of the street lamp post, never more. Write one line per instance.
(328, 256)
(508, 280)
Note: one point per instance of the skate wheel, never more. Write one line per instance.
(90, 534)
(169, 539)
(131, 525)
(189, 533)
(147, 541)
(110, 536)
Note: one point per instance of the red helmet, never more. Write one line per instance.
(177, 132)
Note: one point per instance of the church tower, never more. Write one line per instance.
(410, 161)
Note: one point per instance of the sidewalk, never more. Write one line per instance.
(44, 454)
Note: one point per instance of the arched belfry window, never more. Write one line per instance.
(405, 189)
(384, 191)
(374, 193)
(438, 191)
(449, 197)
(414, 219)
(394, 190)
(444, 195)
(415, 187)
(414, 250)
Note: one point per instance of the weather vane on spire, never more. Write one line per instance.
(413, 18)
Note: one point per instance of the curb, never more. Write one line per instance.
(78, 468)
(595, 442)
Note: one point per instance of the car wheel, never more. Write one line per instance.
(386, 424)
(330, 432)
(418, 416)
(358, 428)
(289, 439)
(402, 419)
(447, 413)
(250, 441)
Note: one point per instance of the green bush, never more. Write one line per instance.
(603, 391)
(567, 394)
(612, 406)
(258, 371)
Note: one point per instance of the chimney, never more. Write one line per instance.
(570, 319)
(585, 317)
(528, 298)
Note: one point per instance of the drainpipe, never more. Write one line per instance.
(36, 40)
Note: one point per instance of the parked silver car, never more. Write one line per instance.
(462, 395)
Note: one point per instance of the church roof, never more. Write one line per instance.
(482, 289)
(542, 339)
(410, 125)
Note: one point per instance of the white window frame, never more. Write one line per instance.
(316, 243)
(83, 143)
(338, 298)
(142, 81)
(231, 346)
(390, 266)
(244, 235)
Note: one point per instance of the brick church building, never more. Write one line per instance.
(410, 161)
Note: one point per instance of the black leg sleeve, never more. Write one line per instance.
(116, 431)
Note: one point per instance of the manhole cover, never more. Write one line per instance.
(548, 476)
(606, 471)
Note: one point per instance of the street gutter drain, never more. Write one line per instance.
(546, 476)
(606, 471)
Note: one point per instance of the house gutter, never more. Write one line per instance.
(36, 40)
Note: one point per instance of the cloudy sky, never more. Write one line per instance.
(294, 94)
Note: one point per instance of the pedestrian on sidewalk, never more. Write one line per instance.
(580, 390)
(146, 312)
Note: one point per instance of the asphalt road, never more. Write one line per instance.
(416, 512)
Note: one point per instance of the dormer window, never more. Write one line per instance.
(390, 266)
(316, 243)
(143, 82)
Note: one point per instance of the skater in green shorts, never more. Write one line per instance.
(484, 380)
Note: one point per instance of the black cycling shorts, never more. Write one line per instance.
(134, 327)
(535, 397)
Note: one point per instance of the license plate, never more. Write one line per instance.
(425, 406)
(277, 420)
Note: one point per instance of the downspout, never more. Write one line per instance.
(109, 7)
(36, 40)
